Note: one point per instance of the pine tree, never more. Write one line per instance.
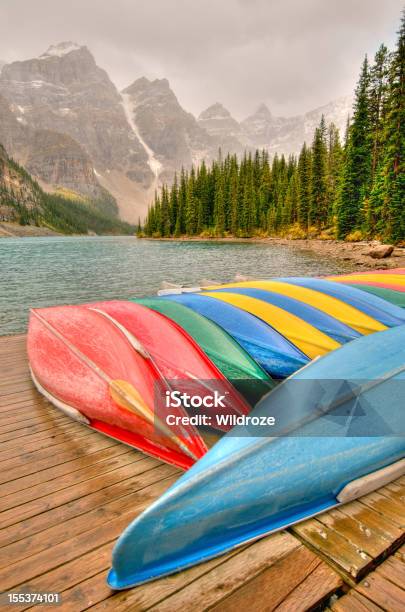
(219, 205)
(173, 204)
(378, 90)
(305, 185)
(335, 161)
(394, 146)
(165, 218)
(355, 184)
(318, 210)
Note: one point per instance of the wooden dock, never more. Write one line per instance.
(66, 493)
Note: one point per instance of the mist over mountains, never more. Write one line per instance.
(63, 118)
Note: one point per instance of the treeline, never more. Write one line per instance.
(349, 190)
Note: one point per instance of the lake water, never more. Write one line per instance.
(37, 272)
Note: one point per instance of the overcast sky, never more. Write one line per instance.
(294, 55)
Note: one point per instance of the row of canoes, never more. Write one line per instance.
(113, 365)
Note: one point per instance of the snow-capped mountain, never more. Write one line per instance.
(172, 136)
(63, 118)
(287, 134)
(64, 91)
(227, 132)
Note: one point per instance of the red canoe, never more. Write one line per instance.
(99, 375)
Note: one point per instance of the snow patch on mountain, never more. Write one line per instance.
(129, 109)
(60, 50)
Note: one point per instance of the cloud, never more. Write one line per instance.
(294, 55)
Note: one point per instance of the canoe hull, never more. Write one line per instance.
(249, 485)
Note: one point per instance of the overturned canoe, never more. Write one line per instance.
(98, 373)
(272, 351)
(387, 281)
(390, 295)
(372, 305)
(344, 437)
(347, 314)
(229, 356)
(308, 317)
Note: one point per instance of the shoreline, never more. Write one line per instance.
(15, 230)
(356, 253)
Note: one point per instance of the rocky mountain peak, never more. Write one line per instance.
(218, 122)
(61, 65)
(215, 111)
(263, 112)
(144, 89)
(61, 49)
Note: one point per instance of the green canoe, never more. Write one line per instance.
(395, 297)
(229, 357)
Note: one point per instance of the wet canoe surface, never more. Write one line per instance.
(274, 353)
(246, 487)
(82, 361)
(394, 297)
(178, 358)
(313, 316)
(374, 306)
(227, 354)
(347, 314)
(304, 336)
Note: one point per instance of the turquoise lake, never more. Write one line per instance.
(37, 272)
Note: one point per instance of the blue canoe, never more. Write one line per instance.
(271, 350)
(376, 307)
(248, 485)
(328, 325)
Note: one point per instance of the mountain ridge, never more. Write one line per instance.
(127, 142)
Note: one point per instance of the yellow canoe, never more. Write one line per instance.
(304, 336)
(349, 315)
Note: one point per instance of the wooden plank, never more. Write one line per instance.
(20, 435)
(17, 397)
(49, 487)
(390, 507)
(393, 569)
(54, 438)
(52, 473)
(70, 528)
(63, 513)
(358, 533)
(314, 591)
(12, 469)
(345, 556)
(29, 423)
(354, 602)
(76, 491)
(271, 587)
(39, 563)
(382, 592)
(380, 525)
